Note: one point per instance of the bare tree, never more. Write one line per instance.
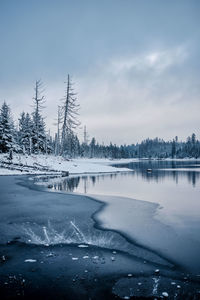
(38, 139)
(70, 115)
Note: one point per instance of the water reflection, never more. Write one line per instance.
(146, 171)
(66, 184)
(71, 184)
(159, 170)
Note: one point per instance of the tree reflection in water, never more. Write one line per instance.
(66, 184)
(147, 170)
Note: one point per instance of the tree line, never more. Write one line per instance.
(30, 136)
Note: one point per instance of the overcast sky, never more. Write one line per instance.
(135, 63)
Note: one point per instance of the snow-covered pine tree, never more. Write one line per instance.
(57, 135)
(38, 135)
(39, 142)
(73, 145)
(85, 146)
(49, 145)
(70, 120)
(25, 132)
(7, 141)
(76, 146)
(92, 147)
(173, 153)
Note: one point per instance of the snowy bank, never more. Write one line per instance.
(49, 164)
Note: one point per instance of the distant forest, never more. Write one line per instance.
(29, 135)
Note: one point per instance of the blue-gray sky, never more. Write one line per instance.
(135, 63)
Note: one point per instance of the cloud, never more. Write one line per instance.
(156, 61)
(149, 94)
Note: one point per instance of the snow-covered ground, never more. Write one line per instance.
(49, 164)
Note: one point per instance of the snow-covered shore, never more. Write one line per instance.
(49, 164)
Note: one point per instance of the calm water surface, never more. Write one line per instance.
(175, 185)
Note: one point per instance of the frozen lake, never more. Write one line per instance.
(173, 185)
(46, 236)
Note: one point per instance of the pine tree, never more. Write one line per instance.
(173, 149)
(25, 132)
(92, 147)
(85, 146)
(57, 135)
(193, 138)
(7, 142)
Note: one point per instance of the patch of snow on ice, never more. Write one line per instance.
(165, 294)
(30, 260)
(83, 246)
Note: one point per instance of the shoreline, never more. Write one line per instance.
(54, 165)
(49, 164)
